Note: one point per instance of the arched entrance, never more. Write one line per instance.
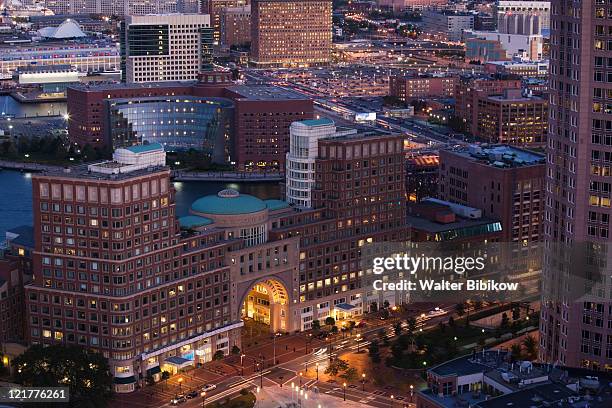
(267, 302)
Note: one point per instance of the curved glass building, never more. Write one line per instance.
(176, 122)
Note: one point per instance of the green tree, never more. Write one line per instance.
(374, 307)
(412, 325)
(235, 350)
(336, 366)
(84, 372)
(165, 375)
(316, 325)
(149, 379)
(374, 351)
(350, 374)
(398, 328)
(386, 304)
(451, 322)
(218, 355)
(330, 321)
(531, 347)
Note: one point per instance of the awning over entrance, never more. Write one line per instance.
(154, 370)
(346, 307)
(124, 380)
(178, 362)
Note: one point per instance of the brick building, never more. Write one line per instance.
(506, 183)
(291, 32)
(515, 117)
(235, 26)
(406, 88)
(261, 115)
(469, 88)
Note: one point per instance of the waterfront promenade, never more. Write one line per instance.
(178, 175)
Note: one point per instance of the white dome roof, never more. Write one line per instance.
(68, 29)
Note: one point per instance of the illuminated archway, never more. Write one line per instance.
(267, 302)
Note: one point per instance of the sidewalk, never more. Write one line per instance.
(275, 397)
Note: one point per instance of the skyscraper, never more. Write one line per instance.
(291, 32)
(167, 47)
(577, 330)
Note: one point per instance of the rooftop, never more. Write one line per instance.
(470, 364)
(194, 221)
(317, 122)
(274, 205)
(228, 202)
(22, 236)
(500, 155)
(82, 172)
(264, 92)
(144, 148)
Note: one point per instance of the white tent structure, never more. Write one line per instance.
(68, 29)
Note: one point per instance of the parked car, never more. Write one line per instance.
(208, 387)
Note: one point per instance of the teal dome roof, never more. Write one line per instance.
(228, 202)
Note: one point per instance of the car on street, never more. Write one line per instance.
(208, 387)
(191, 395)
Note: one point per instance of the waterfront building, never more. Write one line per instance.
(291, 32)
(303, 151)
(116, 270)
(252, 120)
(524, 69)
(168, 47)
(87, 56)
(116, 7)
(575, 327)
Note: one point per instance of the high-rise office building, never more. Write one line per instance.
(291, 32)
(166, 47)
(576, 329)
(235, 26)
(117, 7)
(214, 9)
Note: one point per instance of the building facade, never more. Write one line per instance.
(506, 183)
(447, 25)
(291, 32)
(486, 45)
(215, 8)
(525, 9)
(303, 151)
(117, 7)
(235, 26)
(204, 124)
(257, 123)
(162, 48)
(470, 88)
(515, 117)
(407, 88)
(574, 331)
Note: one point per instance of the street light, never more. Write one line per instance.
(300, 379)
(317, 365)
(363, 382)
(392, 400)
(344, 391)
(411, 391)
(203, 395)
(180, 383)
